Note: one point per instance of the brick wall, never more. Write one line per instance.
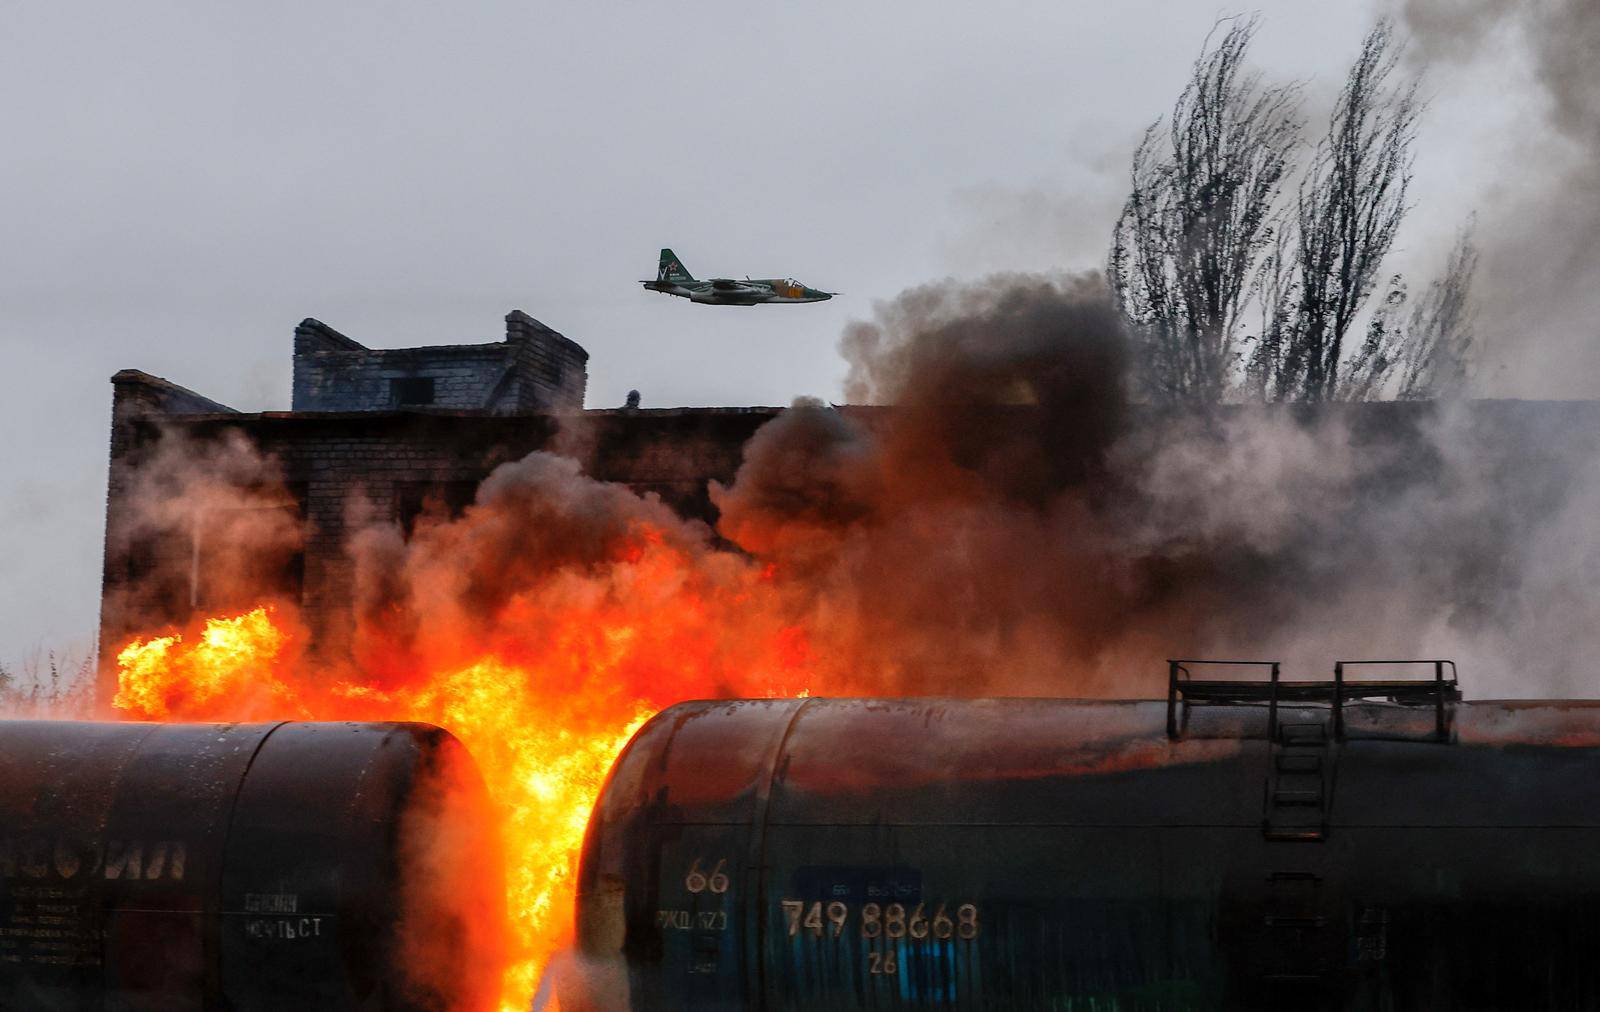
(534, 369)
(552, 370)
(144, 573)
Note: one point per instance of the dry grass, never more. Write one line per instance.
(48, 685)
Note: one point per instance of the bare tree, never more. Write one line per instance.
(1439, 338)
(48, 685)
(1348, 209)
(1366, 373)
(1275, 291)
(1201, 213)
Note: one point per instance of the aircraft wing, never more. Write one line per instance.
(729, 285)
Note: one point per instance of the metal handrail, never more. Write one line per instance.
(1175, 666)
(1439, 689)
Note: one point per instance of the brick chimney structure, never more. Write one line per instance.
(535, 369)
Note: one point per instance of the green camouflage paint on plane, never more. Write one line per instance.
(672, 279)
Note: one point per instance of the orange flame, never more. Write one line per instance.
(544, 713)
(545, 769)
(160, 678)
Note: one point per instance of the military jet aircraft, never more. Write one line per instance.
(672, 279)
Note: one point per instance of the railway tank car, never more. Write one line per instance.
(1244, 844)
(244, 866)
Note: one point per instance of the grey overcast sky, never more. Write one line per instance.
(184, 181)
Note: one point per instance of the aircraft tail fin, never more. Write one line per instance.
(671, 269)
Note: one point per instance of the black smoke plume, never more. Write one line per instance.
(1014, 524)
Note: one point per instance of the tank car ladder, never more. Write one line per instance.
(1296, 790)
(1297, 787)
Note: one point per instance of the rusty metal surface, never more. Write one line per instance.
(925, 853)
(190, 866)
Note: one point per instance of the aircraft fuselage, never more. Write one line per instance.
(673, 279)
(747, 293)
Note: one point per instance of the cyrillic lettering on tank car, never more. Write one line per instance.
(697, 911)
(48, 925)
(48, 917)
(134, 859)
(271, 903)
(126, 860)
(283, 929)
(691, 920)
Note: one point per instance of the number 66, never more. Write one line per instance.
(697, 881)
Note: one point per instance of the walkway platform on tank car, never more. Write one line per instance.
(1220, 691)
(1183, 688)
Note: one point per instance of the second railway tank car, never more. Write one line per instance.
(1327, 845)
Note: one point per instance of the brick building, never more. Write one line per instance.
(534, 369)
(397, 431)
